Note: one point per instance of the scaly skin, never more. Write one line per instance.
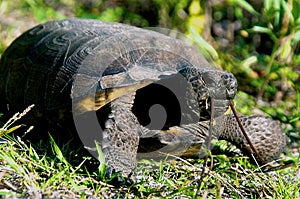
(265, 134)
(121, 136)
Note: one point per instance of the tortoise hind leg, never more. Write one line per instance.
(265, 134)
(121, 136)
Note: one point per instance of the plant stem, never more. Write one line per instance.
(268, 71)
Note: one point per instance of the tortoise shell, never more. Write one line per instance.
(40, 66)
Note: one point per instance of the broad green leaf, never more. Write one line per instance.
(268, 31)
(296, 37)
(101, 158)
(276, 5)
(295, 117)
(267, 4)
(249, 61)
(285, 49)
(287, 11)
(246, 65)
(296, 9)
(6, 132)
(244, 4)
(58, 152)
(205, 48)
(272, 12)
(12, 162)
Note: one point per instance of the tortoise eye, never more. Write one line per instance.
(225, 76)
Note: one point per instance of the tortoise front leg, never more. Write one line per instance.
(264, 133)
(121, 136)
(185, 140)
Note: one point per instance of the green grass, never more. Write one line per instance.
(26, 171)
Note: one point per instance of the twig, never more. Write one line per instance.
(244, 132)
(208, 145)
(268, 71)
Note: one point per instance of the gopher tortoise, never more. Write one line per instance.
(128, 89)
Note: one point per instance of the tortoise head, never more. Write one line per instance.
(209, 83)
